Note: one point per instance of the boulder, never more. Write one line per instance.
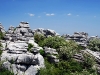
(25, 59)
(32, 70)
(24, 25)
(51, 55)
(40, 60)
(21, 67)
(46, 32)
(31, 41)
(7, 65)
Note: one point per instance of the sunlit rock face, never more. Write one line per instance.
(2, 28)
(46, 32)
(79, 37)
(16, 57)
(51, 55)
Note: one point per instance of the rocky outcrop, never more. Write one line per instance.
(79, 57)
(51, 54)
(22, 32)
(46, 32)
(79, 37)
(16, 57)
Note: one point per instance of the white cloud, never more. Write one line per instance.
(50, 14)
(69, 14)
(31, 14)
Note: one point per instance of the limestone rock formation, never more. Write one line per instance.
(96, 55)
(15, 57)
(51, 55)
(79, 37)
(46, 32)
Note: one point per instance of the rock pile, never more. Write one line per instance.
(22, 32)
(79, 37)
(15, 57)
(51, 54)
(46, 32)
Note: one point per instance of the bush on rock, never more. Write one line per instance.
(94, 44)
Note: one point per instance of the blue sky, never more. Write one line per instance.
(63, 16)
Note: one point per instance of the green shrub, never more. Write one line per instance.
(1, 35)
(94, 44)
(42, 52)
(53, 42)
(0, 48)
(5, 72)
(0, 52)
(66, 49)
(50, 69)
(30, 46)
(39, 37)
(67, 52)
(89, 61)
(70, 67)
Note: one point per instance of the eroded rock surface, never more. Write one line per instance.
(16, 57)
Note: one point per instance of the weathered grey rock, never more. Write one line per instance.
(46, 32)
(35, 50)
(40, 60)
(23, 30)
(52, 55)
(50, 51)
(24, 25)
(25, 59)
(9, 57)
(32, 70)
(80, 38)
(28, 35)
(53, 59)
(17, 46)
(20, 72)
(21, 67)
(31, 41)
(15, 56)
(7, 65)
(14, 69)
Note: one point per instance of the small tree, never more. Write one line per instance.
(1, 35)
(53, 42)
(94, 44)
(89, 61)
(38, 37)
(67, 52)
